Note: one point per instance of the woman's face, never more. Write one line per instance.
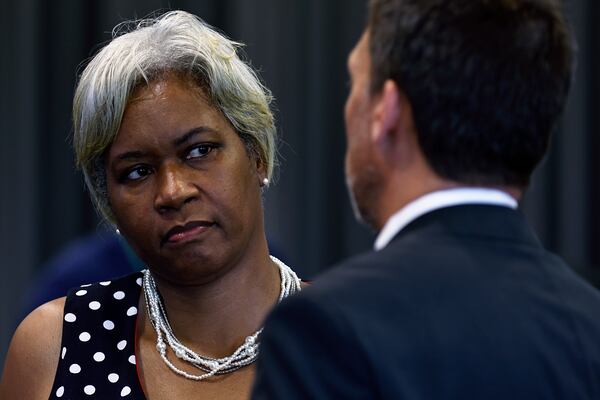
(182, 186)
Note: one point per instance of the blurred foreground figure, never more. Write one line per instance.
(451, 109)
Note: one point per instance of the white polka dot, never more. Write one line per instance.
(86, 285)
(121, 345)
(89, 390)
(132, 360)
(108, 325)
(139, 281)
(99, 356)
(105, 283)
(60, 391)
(131, 311)
(64, 351)
(119, 295)
(94, 305)
(113, 378)
(80, 292)
(85, 336)
(74, 369)
(70, 317)
(125, 391)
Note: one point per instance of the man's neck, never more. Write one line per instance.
(426, 203)
(404, 190)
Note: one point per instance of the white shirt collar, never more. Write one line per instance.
(440, 199)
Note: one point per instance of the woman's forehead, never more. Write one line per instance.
(158, 87)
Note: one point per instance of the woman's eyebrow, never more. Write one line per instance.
(191, 133)
(187, 136)
(130, 155)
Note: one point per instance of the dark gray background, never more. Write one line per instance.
(300, 47)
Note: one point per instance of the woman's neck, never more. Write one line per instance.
(215, 317)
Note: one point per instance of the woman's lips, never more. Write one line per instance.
(187, 232)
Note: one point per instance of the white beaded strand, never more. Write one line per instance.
(244, 355)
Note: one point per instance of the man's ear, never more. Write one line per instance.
(386, 111)
(392, 117)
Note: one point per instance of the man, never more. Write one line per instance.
(451, 108)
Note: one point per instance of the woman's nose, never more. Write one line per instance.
(174, 187)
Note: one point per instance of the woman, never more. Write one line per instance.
(175, 138)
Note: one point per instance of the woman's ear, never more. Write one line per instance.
(261, 171)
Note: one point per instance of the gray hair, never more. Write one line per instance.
(143, 51)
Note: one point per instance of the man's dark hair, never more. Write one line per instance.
(487, 80)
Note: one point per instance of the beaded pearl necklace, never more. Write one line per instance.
(244, 355)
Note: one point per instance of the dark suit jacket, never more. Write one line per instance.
(463, 304)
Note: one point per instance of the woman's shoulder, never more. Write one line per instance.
(34, 352)
(41, 323)
(132, 281)
(102, 297)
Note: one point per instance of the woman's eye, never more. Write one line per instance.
(138, 173)
(199, 151)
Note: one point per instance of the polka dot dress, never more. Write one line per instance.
(97, 359)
